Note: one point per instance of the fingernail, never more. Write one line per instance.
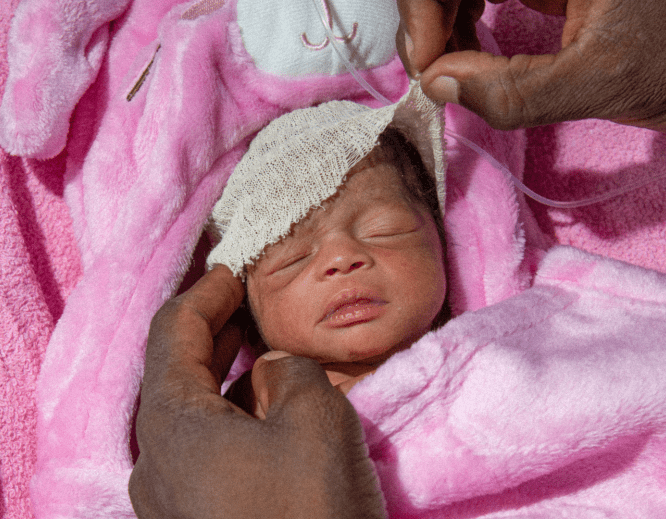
(444, 89)
(409, 46)
(274, 355)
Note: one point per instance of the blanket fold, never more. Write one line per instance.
(484, 407)
(50, 70)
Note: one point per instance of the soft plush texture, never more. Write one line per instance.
(579, 159)
(39, 266)
(139, 177)
(560, 412)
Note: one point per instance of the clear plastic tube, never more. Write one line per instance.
(542, 199)
(480, 151)
(352, 70)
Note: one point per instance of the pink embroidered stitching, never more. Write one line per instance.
(329, 19)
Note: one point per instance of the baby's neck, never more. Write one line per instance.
(344, 375)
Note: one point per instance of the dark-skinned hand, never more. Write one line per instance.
(203, 457)
(612, 64)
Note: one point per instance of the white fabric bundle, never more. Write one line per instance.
(300, 160)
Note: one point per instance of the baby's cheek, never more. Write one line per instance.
(281, 326)
(260, 308)
(427, 290)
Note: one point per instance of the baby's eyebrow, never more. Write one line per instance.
(277, 251)
(378, 200)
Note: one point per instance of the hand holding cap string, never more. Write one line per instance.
(612, 64)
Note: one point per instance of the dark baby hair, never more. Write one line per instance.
(419, 184)
(394, 148)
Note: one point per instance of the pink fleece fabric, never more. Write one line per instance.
(39, 266)
(545, 405)
(544, 399)
(581, 159)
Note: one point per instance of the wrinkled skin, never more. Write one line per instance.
(612, 64)
(203, 457)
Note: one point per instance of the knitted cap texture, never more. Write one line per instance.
(300, 160)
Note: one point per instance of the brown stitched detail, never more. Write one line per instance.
(202, 8)
(142, 77)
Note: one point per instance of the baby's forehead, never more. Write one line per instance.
(376, 190)
(374, 177)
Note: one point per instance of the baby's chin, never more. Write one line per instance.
(344, 371)
(350, 367)
(358, 360)
(362, 352)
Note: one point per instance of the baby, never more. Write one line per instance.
(358, 274)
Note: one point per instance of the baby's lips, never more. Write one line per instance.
(350, 297)
(355, 312)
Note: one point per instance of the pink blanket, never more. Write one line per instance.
(39, 265)
(558, 413)
(577, 160)
(138, 178)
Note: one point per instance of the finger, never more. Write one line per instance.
(280, 379)
(184, 327)
(604, 70)
(425, 28)
(141, 492)
(180, 351)
(324, 432)
(525, 91)
(215, 296)
(483, 83)
(267, 380)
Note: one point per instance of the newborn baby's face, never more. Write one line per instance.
(357, 280)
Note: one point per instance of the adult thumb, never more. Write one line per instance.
(322, 435)
(523, 91)
(282, 382)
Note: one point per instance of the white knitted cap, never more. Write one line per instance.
(300, 160)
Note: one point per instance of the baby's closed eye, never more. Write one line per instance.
(388, 226)
(288, 261)
(292, 261)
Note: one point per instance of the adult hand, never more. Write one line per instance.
(202, 457)
(612, 64)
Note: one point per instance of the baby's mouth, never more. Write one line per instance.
(350, 309)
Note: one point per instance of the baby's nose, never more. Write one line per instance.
(341, 268)
(344, 255)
